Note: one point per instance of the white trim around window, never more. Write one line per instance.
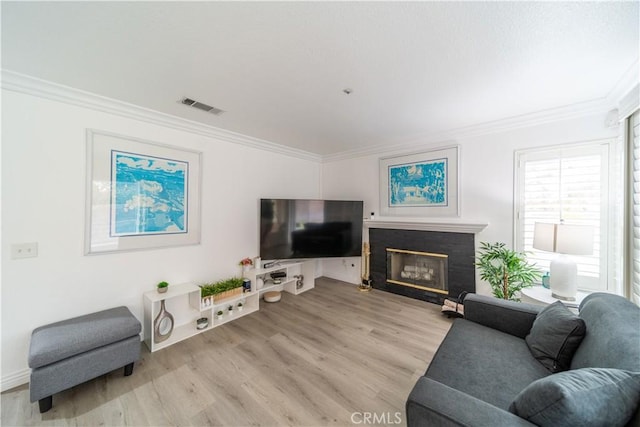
(570, 183)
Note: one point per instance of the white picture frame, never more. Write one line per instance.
(423, 184)
(140, 194)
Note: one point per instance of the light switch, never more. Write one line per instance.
(24, 250)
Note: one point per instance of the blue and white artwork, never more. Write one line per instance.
(418, 184)
(148, 195)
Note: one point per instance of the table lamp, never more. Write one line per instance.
(565, 240)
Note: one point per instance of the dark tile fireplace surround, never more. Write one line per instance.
(460, 248)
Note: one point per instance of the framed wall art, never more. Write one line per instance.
(420, 184)
(140, 195)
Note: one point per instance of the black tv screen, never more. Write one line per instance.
(295, 229)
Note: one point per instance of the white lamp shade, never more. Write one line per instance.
(562, 238)
(544, 236)
(574, 239)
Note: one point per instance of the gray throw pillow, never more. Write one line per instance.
(580, 397)
(555, 336)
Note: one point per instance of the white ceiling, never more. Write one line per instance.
(278, 69)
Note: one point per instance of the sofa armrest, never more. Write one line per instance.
(434, 404)
(514, 318)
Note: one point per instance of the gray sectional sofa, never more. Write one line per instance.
(485, 373)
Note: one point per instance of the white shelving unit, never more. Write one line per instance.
(288, 283)
(175, 297)
(184, 302)
(249, 302)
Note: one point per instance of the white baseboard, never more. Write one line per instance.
(7, 382)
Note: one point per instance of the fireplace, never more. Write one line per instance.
(435, 264)
(420, 270)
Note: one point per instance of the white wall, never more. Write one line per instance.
(43, 200)
(486, 177)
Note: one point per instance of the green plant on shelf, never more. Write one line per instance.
(220, 313)
(162, 287)
(230, 308)
(208, 289)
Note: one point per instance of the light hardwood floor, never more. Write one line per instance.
(322, 358)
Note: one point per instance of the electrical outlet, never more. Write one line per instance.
(24, 250)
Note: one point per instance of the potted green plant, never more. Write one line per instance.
(220, 314)
(230, 308)
(506, 270)
(221, 289)
(162, 287)
(240, 306)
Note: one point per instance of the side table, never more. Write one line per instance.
(542, 296)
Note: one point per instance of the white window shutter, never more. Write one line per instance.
(634, 152)
(568, 183)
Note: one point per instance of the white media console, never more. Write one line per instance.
(184, 303)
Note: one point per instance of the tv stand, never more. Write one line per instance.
(289, 283)
(185, 303)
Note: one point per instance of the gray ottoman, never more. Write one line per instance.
(68, 353)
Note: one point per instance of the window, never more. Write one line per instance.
(571, 184)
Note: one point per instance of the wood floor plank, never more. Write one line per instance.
(322, 358)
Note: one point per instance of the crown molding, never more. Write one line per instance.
(497, 126)
(625, 96)
(627, 83)
(626, 93)
(22, 83)
(629, 103)
(29, 85)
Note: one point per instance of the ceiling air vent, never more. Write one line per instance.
(200, 106)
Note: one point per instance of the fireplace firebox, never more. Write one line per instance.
(420, 270)
(446, 270)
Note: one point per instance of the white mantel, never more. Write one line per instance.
(421, 224)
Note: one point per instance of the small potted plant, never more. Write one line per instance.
(230, 308)
(240, 306)
(162, 287)
(220, 314)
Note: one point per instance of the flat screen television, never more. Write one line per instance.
(297, 229)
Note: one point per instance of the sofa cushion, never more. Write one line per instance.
(485, 363)
(613, 335)
(585, 397)
(555, 336)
